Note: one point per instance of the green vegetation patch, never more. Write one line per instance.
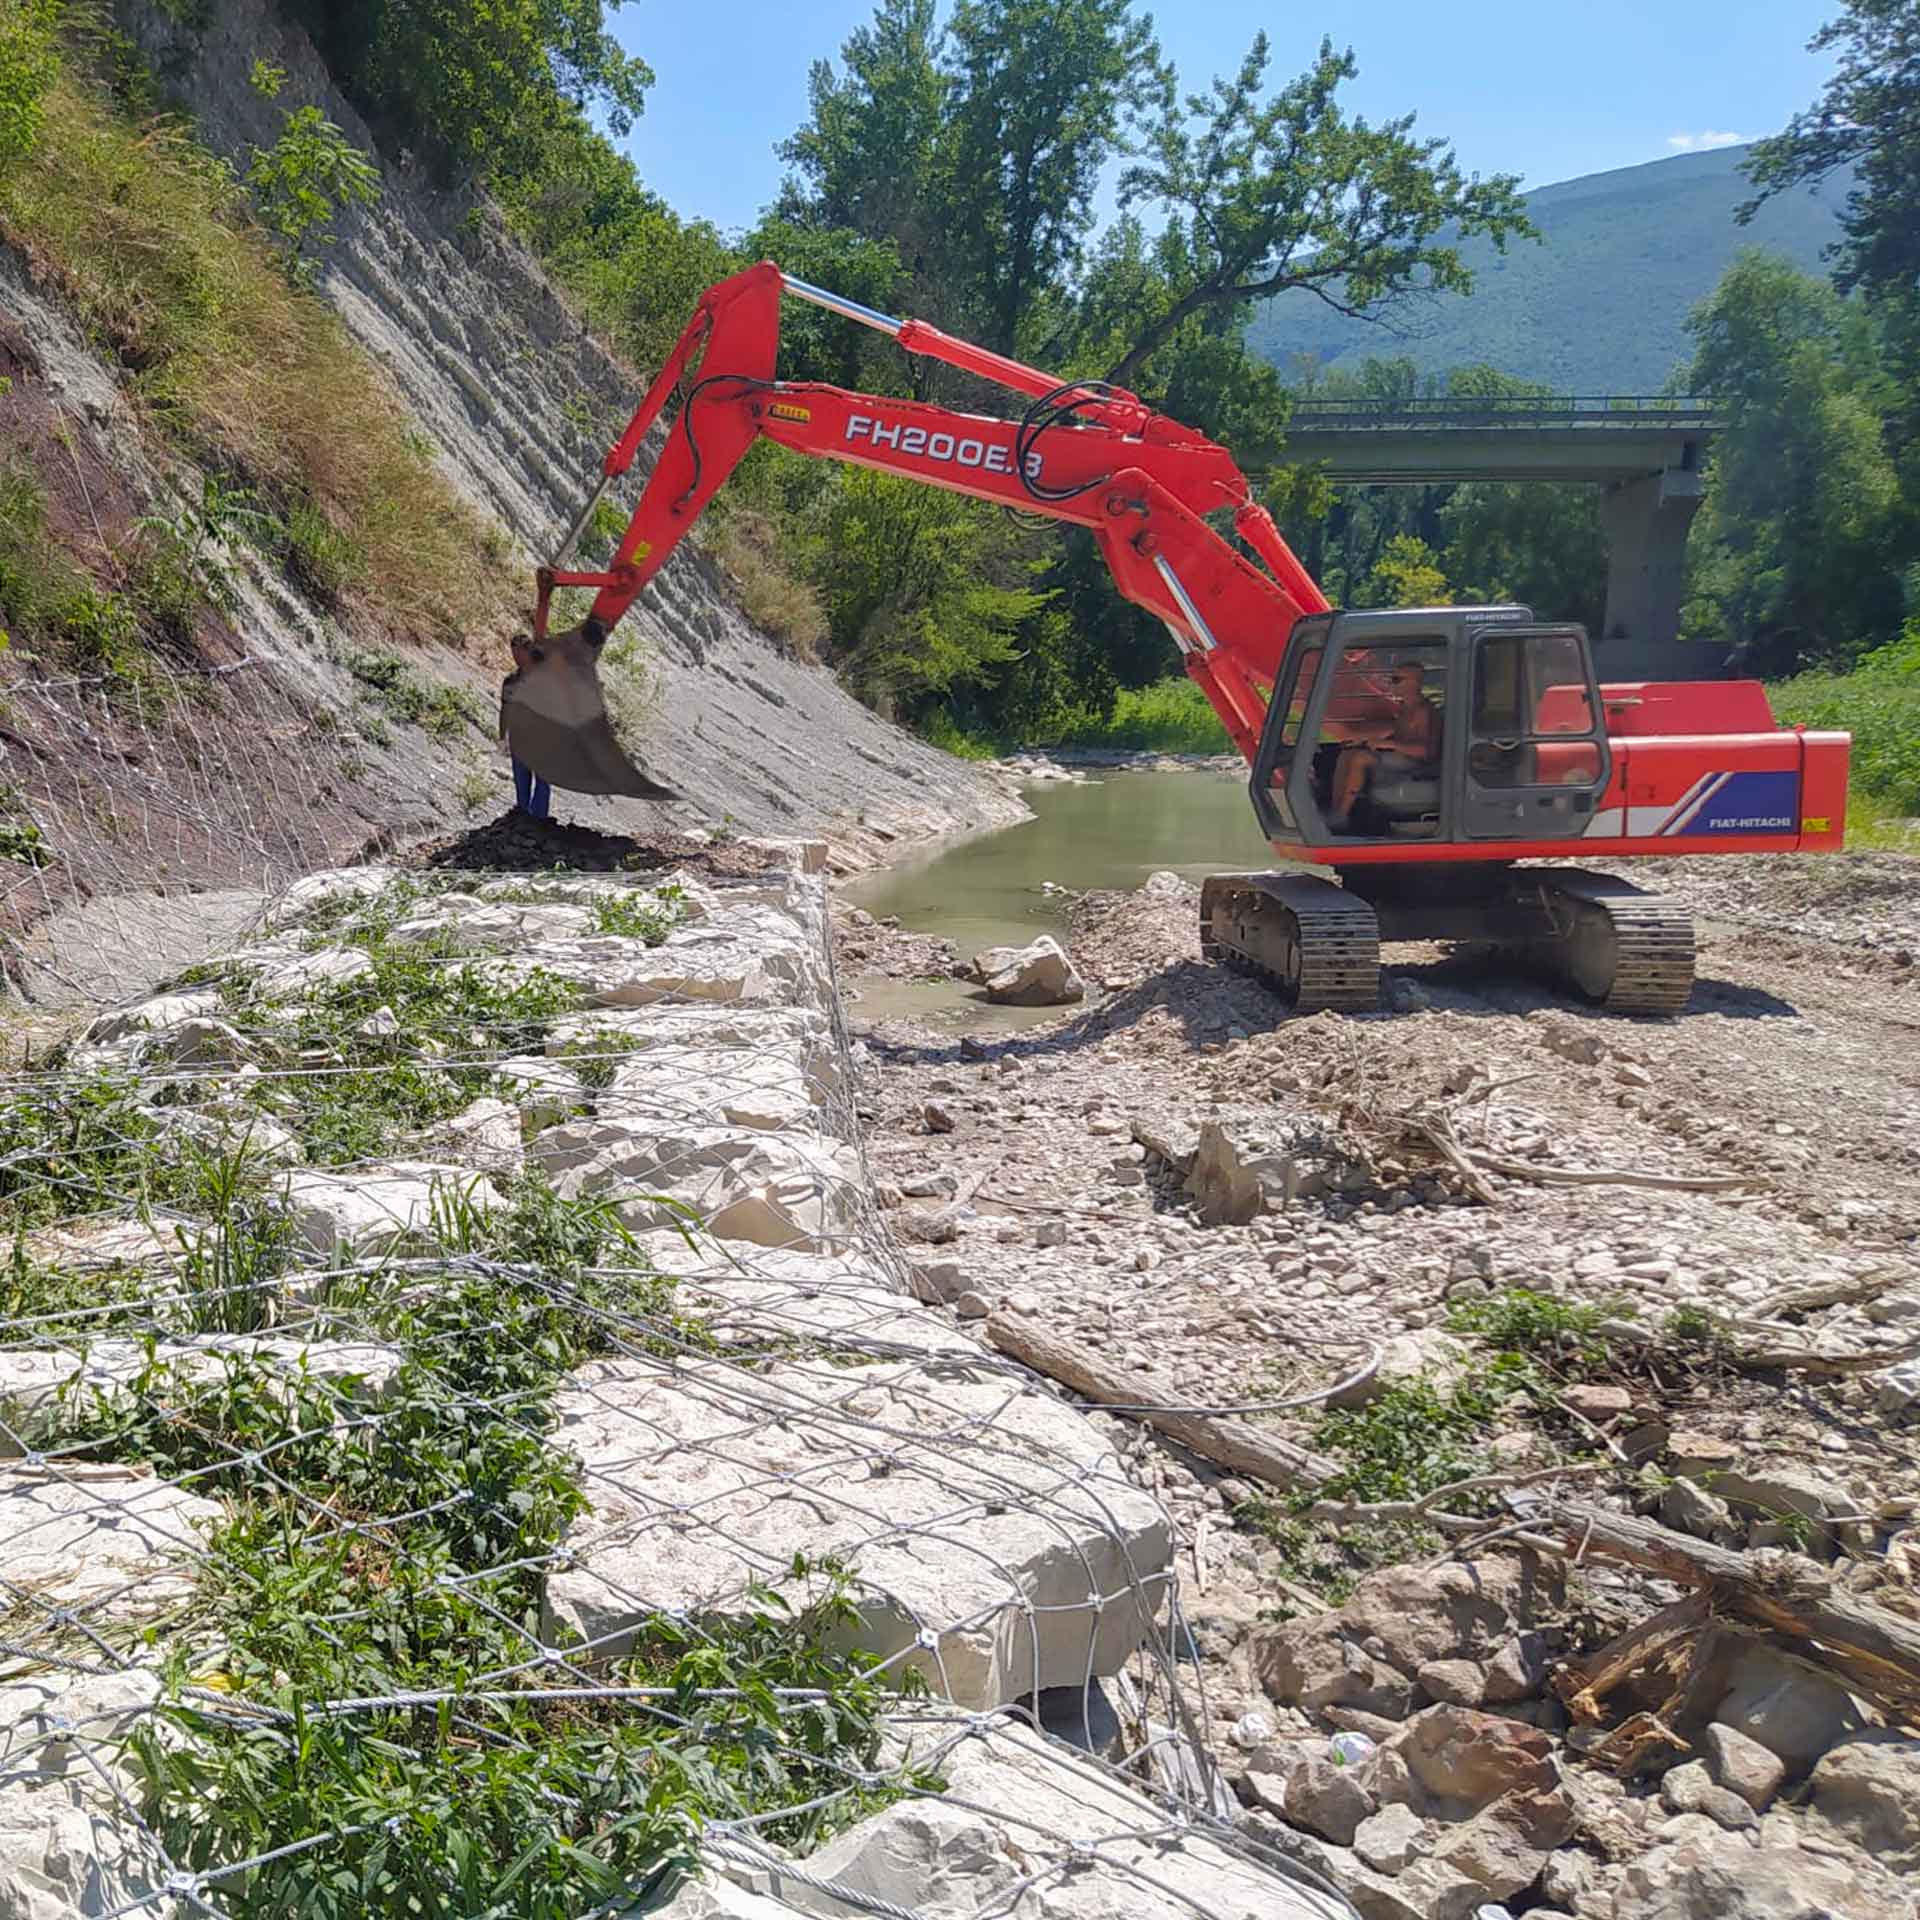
(1879, 704)
(154, 245)
(365, 1710)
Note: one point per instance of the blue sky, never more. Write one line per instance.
(1542, 88)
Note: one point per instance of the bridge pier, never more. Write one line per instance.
(1646, 522)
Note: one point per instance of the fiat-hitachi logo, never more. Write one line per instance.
(961, 451)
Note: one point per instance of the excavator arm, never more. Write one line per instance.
(1086, 453)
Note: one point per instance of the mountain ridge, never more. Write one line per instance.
(1599, 304)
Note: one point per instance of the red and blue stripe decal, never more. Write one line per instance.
(1736, 803)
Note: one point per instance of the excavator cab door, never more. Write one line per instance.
(1537, 758)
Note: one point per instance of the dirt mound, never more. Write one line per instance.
(514, 843)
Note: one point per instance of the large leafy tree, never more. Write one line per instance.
(1044, 92)
(1868, 120)
(1285, 190)
(870, 158)
(1796, 556)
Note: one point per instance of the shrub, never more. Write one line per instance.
(1171, 716)
(308, 174)
(771, 594)
(1879, 704)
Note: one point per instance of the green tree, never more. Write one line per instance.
(1407, 574)
(1287, 191)
(313, 170)
(478, 82)
(1043, 94)
(1867, 120)
(1798, 553)
(923, 594)
(870, 158)
(1541, 545)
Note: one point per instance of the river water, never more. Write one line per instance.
(991, 889)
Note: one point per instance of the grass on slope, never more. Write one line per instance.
(150, 241)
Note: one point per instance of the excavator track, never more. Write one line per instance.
(1315, 945)
(1632, 952)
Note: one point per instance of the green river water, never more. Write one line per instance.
(990, 890)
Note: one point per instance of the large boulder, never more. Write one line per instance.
(1040, 975)
(1788, 1708)
(997, 1544)
(40, 1386)
(1412, 1616)
(787, 1295)
(379, 1209)
(753, 955)
(739, 1183)
(1712, 1875)
(106, 1543)
(1463, 1761)
(1029, 1831)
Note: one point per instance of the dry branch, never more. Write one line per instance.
(1847, 1291)
(1875, 1652)
(1584, 1684)
(1832, 1366)
(1228, 1443)
(1439, 1134)
(1612, 1176)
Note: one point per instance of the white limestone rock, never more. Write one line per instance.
(317, 889)
(300, 976)
(105, 1541)
(1039, 975)
(997, 1544)
(67, 1845)
(1028, 1832)
(86, 1246)
(752, 955)
(152, 1015)
(544, 1091)
(710, 1087)
(485, 1136)
(376, 1209)
(635, 1034)
(497, 927)
(781, 1295)
(776, 1190)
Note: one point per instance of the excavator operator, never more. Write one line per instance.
(1407, 746)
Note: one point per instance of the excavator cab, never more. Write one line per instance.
(1437, 725)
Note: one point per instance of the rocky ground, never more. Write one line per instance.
(1235, 1210)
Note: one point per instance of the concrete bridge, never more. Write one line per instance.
(1648, 453)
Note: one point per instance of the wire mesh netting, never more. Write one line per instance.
(471, 1449)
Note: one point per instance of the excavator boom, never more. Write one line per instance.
(1084, 452)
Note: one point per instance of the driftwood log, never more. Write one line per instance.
(1875, 1652)
(1229, 1443)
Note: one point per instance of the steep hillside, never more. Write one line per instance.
(1599, 305)
(287, 720)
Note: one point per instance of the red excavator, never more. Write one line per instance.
(1431, 757)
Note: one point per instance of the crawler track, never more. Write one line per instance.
(1316, 946)
(1631, 952)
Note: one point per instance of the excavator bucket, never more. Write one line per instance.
(555, 716)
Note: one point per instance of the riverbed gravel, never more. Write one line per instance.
(1045, 1172)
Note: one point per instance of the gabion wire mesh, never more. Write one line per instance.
(470, 1449)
